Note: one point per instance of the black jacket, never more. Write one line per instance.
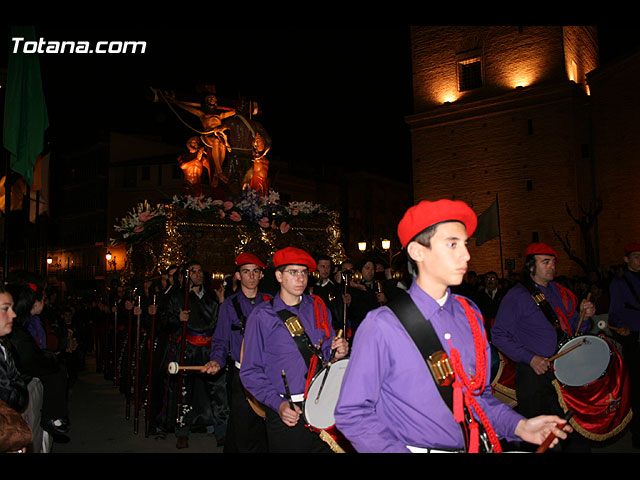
(13, 387)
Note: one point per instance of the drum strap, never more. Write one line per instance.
(424, 336)
(544, 305)
(300, 336)
(241, 316)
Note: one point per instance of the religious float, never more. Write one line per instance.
(241, 214)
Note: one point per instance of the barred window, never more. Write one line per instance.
(469, 74)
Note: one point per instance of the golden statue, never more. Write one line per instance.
(192, 164)
(214, 137)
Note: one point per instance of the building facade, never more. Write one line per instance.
(502, 113)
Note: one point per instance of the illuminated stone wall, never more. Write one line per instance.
(520, 137)
(616, 103)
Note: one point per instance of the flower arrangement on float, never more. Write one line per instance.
(251, 208)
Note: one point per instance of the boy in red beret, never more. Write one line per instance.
(246, 433)
(389, 400)
(271, 348)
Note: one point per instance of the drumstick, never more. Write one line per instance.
(616, 329)
(557, 355)
(286, 389)
(326, 372)
(582, 315)
(333, 352)
(174, 367)
(547, 441)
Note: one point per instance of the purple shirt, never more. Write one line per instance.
(228, 335)
(269, 348)
(37, 331)
(389, 400)
(624, 309)
(521, 329)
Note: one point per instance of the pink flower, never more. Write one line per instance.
(222, 214)
(235, 216)
(295, 211)
(145, 216)
(264, 222)
(228, 205)
(138, 228)
(284, 227)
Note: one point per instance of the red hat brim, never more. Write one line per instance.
(541, 249)
(426, 213)
(631, 247)
(245, 258)
(293, 256)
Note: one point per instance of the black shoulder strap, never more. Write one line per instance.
(299, 335)
(544, 305)
(422, 333)
(241, 316)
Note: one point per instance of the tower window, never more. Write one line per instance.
(469, 74)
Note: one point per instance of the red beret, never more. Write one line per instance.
(245, 258)
(541, 249)
(631, 247)
(293, 256)
(425, 214)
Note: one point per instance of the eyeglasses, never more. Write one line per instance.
(296, 273)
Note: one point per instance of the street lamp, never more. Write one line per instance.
(111, 260)
(386, 246)
(49, 260)
(362, 246)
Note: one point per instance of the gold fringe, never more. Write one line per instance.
(331, 442)
(504, 394)
(585, 433)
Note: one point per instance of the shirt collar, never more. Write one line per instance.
(425, 302)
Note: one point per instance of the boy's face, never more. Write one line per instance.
(445, 263)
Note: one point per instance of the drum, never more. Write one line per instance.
(257, 407)
(503, 378)
(582, 360)
(322, 395)
(602, 408)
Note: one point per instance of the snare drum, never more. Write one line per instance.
(322, 395)
(586, 359)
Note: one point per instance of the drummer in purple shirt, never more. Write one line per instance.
(524, 333)
(270, 350)
(389, 401)
(246, 433)
(624, 318)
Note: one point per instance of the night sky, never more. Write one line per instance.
(335, 95)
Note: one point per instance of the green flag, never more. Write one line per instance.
(488, 225)
(25, 110)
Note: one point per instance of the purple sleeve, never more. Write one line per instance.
(355, 412)
(624, 310)
(503, 331)
(222, 334)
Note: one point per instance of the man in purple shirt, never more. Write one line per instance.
(624, 317)
(272, 353)
(389, 401)
(525, 334)
(246, 433)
